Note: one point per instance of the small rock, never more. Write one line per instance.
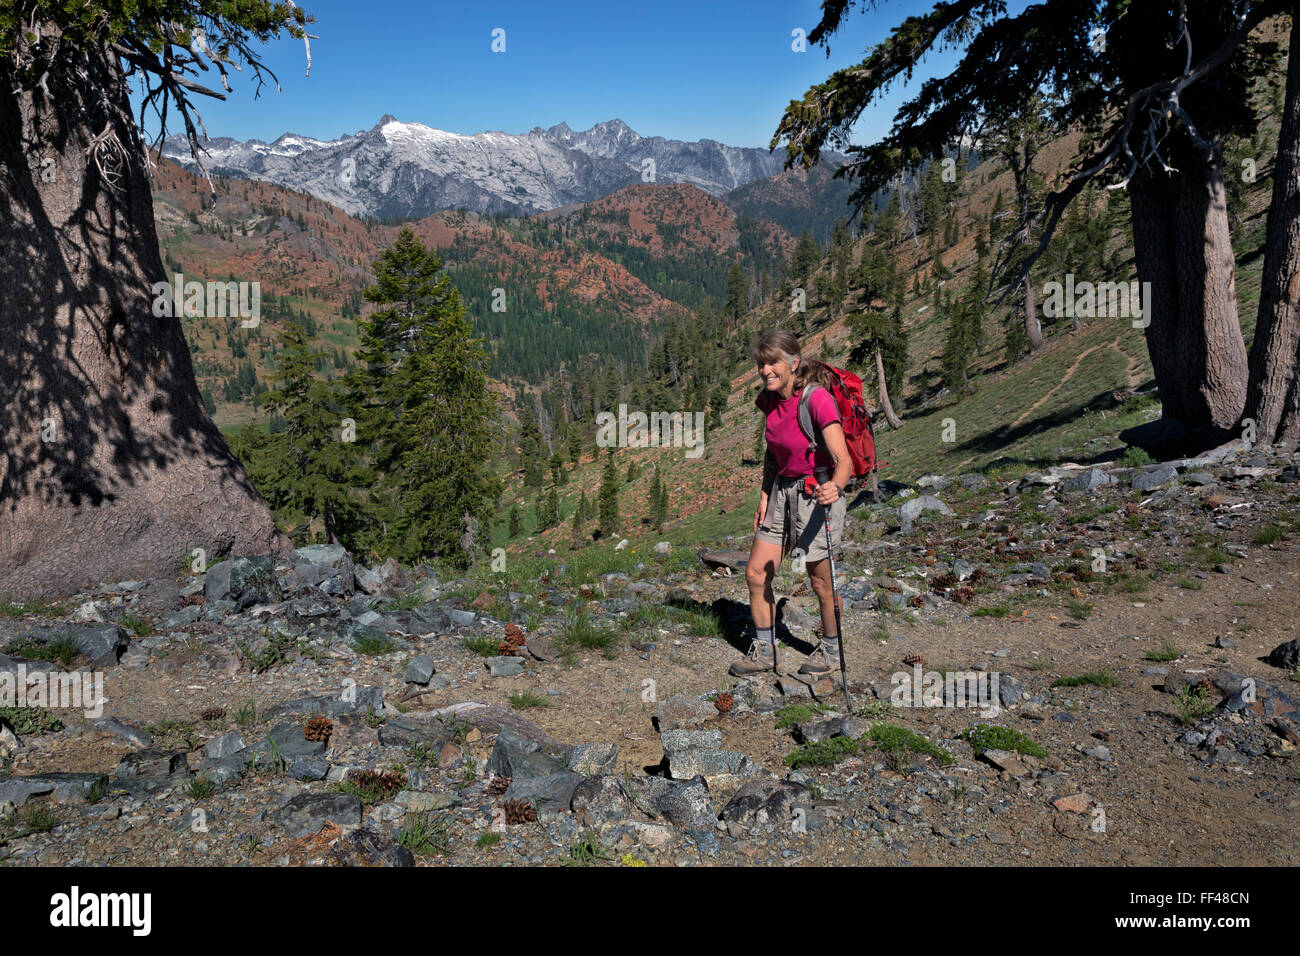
(419, 671)
(366, 847)
(1007, 760)
(505, 666)
(308, 812)
(1074, 803)
(227, 745)
(684, 712)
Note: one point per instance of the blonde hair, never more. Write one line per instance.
(778, 345)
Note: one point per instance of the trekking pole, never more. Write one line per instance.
(823, 475)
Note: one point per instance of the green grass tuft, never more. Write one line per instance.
(984, 737)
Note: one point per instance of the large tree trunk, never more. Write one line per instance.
(1033, 327)
(111, 467)
(894, 420)
(1273, 398)
(1183, 248)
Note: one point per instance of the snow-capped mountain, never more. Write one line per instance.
(412, 170)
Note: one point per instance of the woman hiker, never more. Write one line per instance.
(788, 516)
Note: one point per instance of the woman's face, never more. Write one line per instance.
(777, 374)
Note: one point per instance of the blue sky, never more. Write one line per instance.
(687, 71)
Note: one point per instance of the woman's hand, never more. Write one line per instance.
(827, 493)
(762, 510)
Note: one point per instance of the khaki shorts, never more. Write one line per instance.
(794, 520)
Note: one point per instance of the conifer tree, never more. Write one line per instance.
(307, 467)
(609, 517)
(658, 501)
(515, 527)
(429, 408)
(737, 294)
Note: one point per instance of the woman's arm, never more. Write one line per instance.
(833, 439)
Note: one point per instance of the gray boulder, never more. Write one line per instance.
(1153, 478)
(1286, 655)
(246, 581)
(552, 792)
(686, 805)
(308, 812)
(387, 579)
(912, 509)
(592, 759)
(1088, 480)
(152, 763)
(419, 670)
(766, 801)
(227, 745)
(317, 563)
(684, 712)
(603, 799)
(517, 757)
(349, 701)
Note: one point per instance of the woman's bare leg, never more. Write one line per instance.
(764, 558)
(819, 575)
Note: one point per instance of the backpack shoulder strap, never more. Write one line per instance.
(805, 415)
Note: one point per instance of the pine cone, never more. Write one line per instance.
(387, 782)
(519, 811)
(318, 728)
(963, 594)
(723, 702)
(213, 714)
(515, 635)
(497, 786)
(914, 660)
(505, 649)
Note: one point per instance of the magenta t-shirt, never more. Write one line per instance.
(786, 439)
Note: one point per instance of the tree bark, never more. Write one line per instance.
(1033, 327)
(111, 468)
(894, 421)
(1273, 396)
(1183, 248)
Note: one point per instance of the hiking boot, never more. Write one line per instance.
(759, 658)
(819, 663)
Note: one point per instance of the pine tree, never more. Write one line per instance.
(658, 502)
(530, 453)
(302, 466)
(516, 524)
(423, 383)
(609, 518)
(558, 475)
(965, 330)
(548, 509)
(807, 256)
(737, 294)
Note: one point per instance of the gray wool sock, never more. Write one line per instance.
(766, 635)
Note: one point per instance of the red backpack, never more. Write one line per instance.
(846, 389)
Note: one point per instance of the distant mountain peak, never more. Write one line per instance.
(407, 169)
